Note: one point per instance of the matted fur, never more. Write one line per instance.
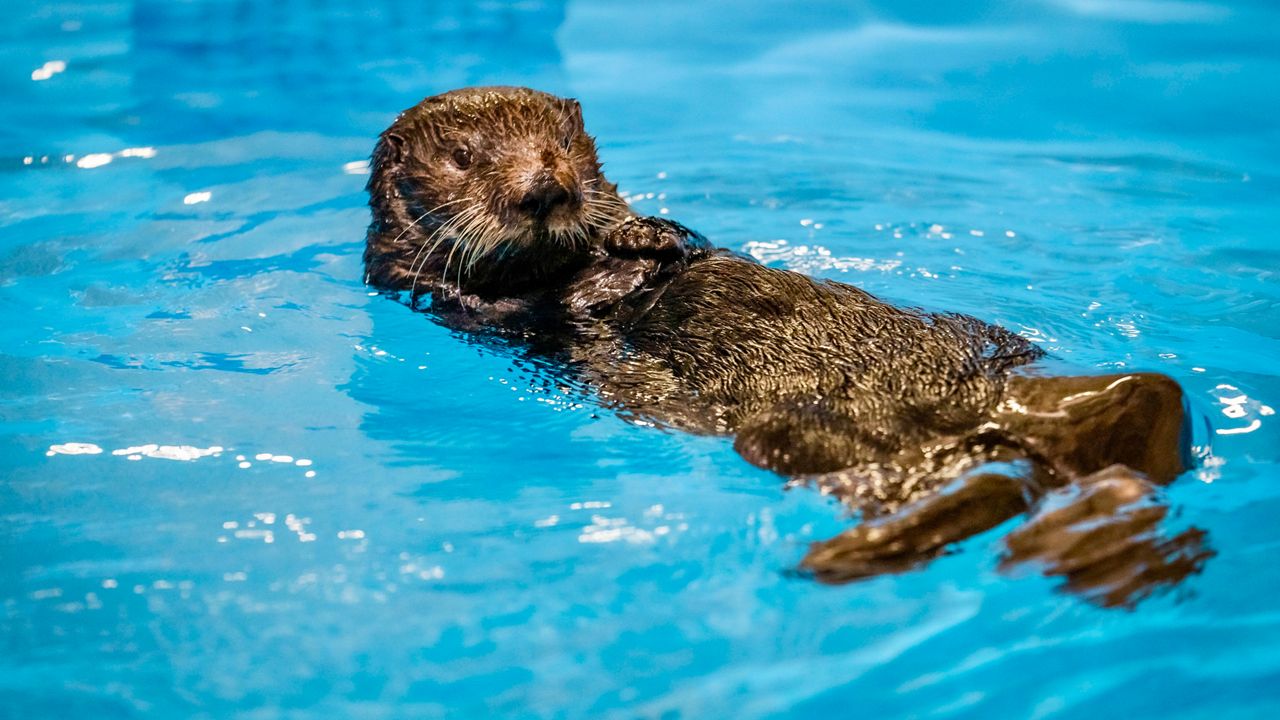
(436, 223)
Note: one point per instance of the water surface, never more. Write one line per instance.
(233, 481)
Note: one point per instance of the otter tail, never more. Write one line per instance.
(1080, 425)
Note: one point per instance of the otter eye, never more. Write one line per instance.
(462, 158)
(566, 142)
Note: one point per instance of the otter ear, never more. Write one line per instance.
(573, 109)
(389, 150)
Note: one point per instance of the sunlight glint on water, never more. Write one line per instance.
(235, 479)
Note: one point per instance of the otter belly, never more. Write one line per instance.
(822, 375)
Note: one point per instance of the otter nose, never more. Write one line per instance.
(545, 196)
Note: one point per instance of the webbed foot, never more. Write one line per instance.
(1101, 534)
(1081, 425)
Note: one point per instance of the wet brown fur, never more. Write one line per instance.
(893, 409)
(436, 224)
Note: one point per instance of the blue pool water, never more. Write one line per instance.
(234, 482)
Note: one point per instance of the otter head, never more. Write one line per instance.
(491, 190)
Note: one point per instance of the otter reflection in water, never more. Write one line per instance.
(492, 201)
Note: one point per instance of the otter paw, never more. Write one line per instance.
(601, 286)
(651, 238)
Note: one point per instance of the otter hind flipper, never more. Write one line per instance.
(1081, 425)
(1102, 535)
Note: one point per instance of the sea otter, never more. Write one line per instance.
(492, 202)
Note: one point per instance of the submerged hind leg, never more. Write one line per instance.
(1102, 535)
(920, 531)
(898, 465)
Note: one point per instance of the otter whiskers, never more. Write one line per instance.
(418, 219)
(429, 245)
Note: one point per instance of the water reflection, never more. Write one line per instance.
(213, 69)
(117, 596)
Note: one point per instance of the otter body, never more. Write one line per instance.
(492, 202)
(759, 348)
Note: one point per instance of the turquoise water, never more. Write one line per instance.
(234, 482)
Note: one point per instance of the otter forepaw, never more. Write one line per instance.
(638, 253)
(602, 285)
(652, 238)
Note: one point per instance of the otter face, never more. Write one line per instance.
(470, 178)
